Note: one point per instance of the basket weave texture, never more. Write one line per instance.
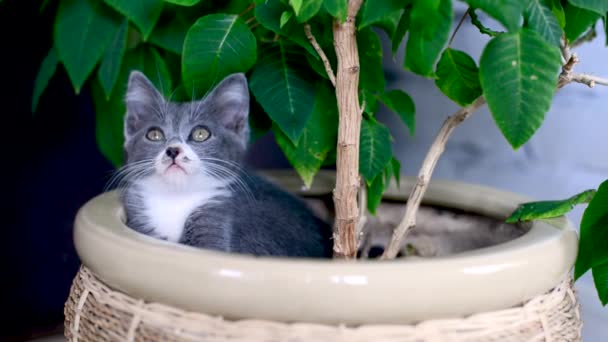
(95, 312)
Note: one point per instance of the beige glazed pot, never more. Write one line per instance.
(299, 295)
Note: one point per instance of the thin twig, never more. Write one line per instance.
(568, 76)
(587, 37)
(252, 6)
(313, 41)
(589, 80)
(413, 203)
(565, 49)
(257, 23)
(475, 21)
(458, 26)
(249, 20)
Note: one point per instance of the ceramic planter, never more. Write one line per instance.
(329, 293)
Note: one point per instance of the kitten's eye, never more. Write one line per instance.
(200, 134)
(155, 134)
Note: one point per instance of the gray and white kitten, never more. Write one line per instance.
(184, 181)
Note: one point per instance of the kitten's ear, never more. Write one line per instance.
(230, 101)
(142, 102)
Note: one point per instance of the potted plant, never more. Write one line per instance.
(315, 72)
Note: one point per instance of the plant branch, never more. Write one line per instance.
(313, 41)
(587, 37)
(424, 176)
(565, 51)
(568, 76)
(245, 11)
(349, 129)
(430, 161)
(484, 30)
(458, 26)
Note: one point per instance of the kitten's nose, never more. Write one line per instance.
(173, 152)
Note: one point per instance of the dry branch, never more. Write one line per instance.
(317, 47)
(424, 176)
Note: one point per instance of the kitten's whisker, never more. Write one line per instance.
(223, 173)
(235, 186)
(156, 110)
(129, 173)
(233, 164)
(239, 182)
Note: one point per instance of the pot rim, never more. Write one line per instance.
(367, 291)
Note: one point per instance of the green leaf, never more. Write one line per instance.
(422, 50)
(458, 77)
(143, 13)
(378, 186)
(578, 21)
(600, 278)
(606, 28)
(371, 75)
(548, 209)
(396, 166)
(183, 2)
(374, 193)
(110, 63)
(318, 137)
(337, 8)
(215, 46)
(507, 12)
(389, 25)
(155, 67)
(375, 149)
(425, 17)
(605, 19)
(540, 18)
(370, 100)
(402, 27)
(259, 122)
(375, 11)
(296, 4)
(268, 15)
(558, 11)
(285, 18)
(306, 9)
(402, 105)
(598, 6)
(83, 29)
(283, 90)
(109, 124)
(170, 36)
(46, 72)
(518, 73)
(593, 241)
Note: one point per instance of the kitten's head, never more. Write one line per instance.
(176, 142)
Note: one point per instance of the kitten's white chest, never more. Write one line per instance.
(167, 208)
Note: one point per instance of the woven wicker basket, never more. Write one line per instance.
(94, 312)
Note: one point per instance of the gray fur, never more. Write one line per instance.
(248, 214)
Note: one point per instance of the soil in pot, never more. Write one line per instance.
(439, 231)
